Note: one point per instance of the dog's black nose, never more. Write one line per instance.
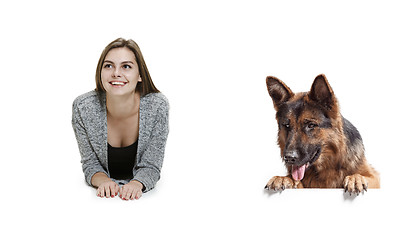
(290, 157)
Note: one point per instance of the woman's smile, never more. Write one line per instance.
(118, 83)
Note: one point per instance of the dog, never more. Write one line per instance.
(320, 148)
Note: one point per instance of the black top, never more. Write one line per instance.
(121, 161)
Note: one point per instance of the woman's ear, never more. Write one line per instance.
(139, 79)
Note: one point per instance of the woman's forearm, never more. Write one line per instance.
(99, 178)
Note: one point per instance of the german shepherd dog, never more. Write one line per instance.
(320, 148)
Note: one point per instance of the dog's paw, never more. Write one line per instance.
(279, 183)
(355, 184)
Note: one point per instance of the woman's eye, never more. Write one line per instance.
(107, 66)
(126, 66)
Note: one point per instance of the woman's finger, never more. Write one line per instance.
(138, 195)
(123, 193)
(108, 190)
(120, 192)
(130, 193)
(101, 191)
(114, 190)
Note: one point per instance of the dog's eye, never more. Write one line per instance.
(312, 125)
(286, 125)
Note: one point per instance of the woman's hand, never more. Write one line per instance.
(131, 190)
(108, 189)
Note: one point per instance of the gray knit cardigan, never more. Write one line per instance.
(89, 122)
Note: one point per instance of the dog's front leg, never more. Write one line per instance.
(277, 183)
(355, 184)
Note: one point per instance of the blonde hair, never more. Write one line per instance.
(144, 87)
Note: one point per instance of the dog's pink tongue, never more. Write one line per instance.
(298, 172)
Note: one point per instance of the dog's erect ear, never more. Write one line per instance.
(278, 91)
(321, 92)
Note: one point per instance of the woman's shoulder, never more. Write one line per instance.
(90, 105)
(89, 98)
(157, 99)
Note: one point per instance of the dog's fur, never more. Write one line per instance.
(320, 148)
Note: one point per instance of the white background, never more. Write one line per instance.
(211, 60)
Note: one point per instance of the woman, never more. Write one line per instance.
(121, 127)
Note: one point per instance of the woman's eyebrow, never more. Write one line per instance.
(108, 61)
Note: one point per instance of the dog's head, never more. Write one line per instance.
(306, 123)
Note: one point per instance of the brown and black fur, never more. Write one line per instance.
(313, 132)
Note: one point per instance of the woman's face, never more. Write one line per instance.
(120, 72)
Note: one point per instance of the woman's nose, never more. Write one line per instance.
(116, 73)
